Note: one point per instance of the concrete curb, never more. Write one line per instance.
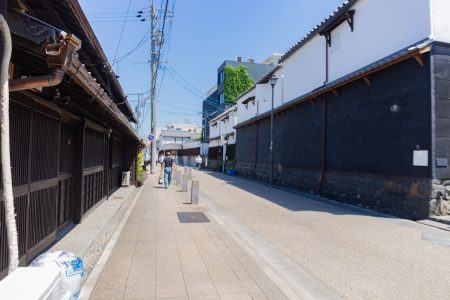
(91, 281)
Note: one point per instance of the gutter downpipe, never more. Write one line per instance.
(7, 193)
(325, 126)
(52, 79)
(324, 144)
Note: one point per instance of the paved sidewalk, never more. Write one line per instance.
(157, 257)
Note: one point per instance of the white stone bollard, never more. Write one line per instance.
(178, 177)
(195, 191)
(190, 173)
(184, 182)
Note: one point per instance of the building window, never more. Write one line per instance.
(221, 77)
(221, 98)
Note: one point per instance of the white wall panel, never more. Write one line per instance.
(304, 70)
(245, 113)
(381, 28)
(440, 17)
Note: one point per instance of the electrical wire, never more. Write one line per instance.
(183, 79)
(142, 42)
(121, 32)
(208, 100)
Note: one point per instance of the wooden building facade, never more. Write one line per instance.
(70, 130)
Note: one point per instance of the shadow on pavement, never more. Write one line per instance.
(294, 200)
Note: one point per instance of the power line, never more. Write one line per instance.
(121, 32)
(183, 79)
(208, 100)
(142, 42)
(114, 13)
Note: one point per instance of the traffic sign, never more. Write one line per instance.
(151, 137)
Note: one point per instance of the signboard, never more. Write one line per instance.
(151, 137)
(420, 158)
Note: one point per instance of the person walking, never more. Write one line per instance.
(161, 172)
(168, 165)
(199, 160)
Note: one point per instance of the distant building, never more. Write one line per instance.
(177, 133)
(222, 139)
(209, 110)
(214, 104)
(256, 71)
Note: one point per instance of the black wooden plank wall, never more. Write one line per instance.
(93, 174)
(363, 134)
(369, 148)
(34, 158)
(441, 74)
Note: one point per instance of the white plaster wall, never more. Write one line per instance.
(246, 113)
(227, 126)
(440, 20)
(214, 143)
(303, 71)
(214, 130)
(191, 145)
(263, 97)
(381, 27)
(264, 94)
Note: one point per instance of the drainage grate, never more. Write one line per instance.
(192, 217)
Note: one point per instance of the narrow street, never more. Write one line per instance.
(265, 243)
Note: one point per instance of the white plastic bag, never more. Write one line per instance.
(72, 271)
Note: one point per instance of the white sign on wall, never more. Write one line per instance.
(420, 158)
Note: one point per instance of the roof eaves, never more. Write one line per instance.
(266, 77)
(245, 92)
(85, 25)
(223, 115)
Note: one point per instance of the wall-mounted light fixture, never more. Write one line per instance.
(395, 108)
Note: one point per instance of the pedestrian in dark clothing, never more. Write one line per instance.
(168, 165)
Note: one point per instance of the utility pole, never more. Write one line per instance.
(137, 111)
(154, 66)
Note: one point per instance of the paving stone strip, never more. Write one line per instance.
(157, 257)
(97, 248)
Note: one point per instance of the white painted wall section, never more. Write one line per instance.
(304, 71)
(245, 113)
(440, 20)
(214, 129)
(381, 28)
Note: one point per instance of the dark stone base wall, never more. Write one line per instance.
(400, 196)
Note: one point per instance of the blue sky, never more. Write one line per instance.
(204, 33)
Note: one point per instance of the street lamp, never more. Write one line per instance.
(273, 81)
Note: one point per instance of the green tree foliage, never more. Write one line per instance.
(237, 80)
(140, 166)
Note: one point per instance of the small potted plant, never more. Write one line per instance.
(232, 170)
(140, 179)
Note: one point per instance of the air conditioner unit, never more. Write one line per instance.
(126, 178)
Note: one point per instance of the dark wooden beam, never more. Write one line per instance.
(419, 60)
(78, 174)
(367, 80)
(335, 92)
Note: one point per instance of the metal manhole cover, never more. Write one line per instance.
(192, 217)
